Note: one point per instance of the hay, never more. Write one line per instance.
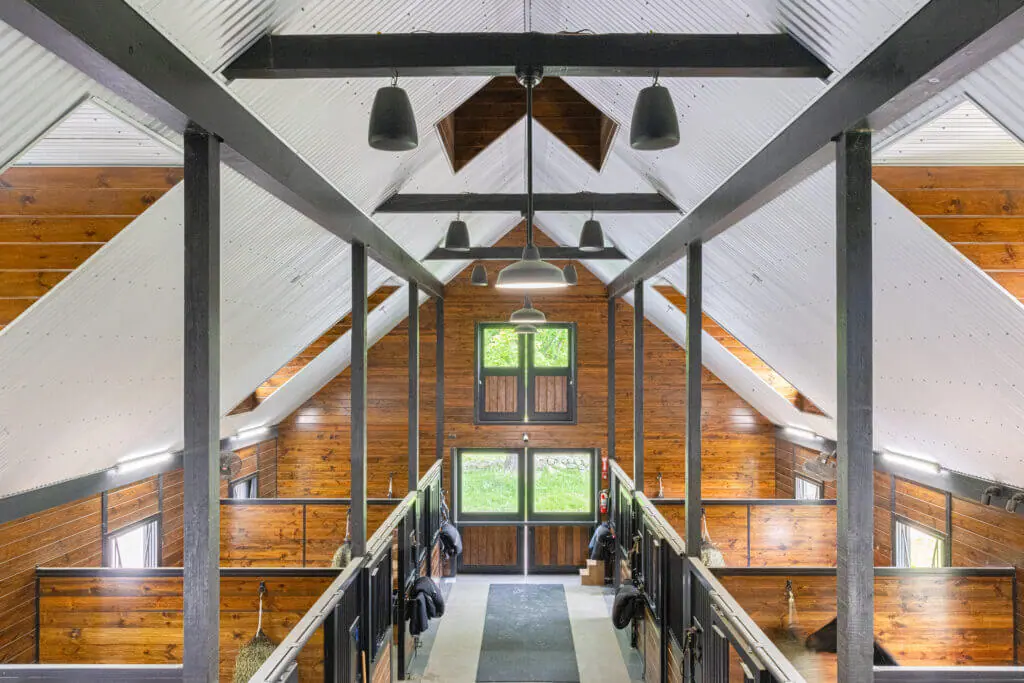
(252, 655)
(342, 556)
(710, 555)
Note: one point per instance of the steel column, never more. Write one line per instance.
(201, 655)
(694, 383)
(638, 387)
(358, 399)
(439, 382)
(855, 481)
(611, 378)
(414, 386)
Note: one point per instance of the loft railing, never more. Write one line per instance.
(359, 609)
(702, 630)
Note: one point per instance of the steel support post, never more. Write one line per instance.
(694, 378)
(201, 592)
(855, 481)
(414, 386)
(638, 386)
(358, 399)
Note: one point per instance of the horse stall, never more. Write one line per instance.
(134, 616)
(959, 616)
(763, 532)
(290, 532)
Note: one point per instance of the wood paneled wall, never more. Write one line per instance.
(558, 547)
(767, 535)
(106, 620)
(53, 218)
(287, 535)
(738, 442)
(977, 209)
(490, 546)
(923, 620)
(790, 460)
(259, 459)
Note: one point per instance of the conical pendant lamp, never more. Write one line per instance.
(527, 315)
(479, 276)
(655, 125)
(457, 237)
(392, 122)
(530, 272)
(569, 271)
(592, 236)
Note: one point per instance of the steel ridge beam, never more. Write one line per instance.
(580, 202)
(516, 253)
(113, 44)
(943, 42)
(498, 54)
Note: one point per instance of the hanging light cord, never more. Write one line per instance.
(529, 160)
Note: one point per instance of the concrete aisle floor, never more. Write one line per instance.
(456, 649)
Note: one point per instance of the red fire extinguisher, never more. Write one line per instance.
(603, 501)
(604, 467)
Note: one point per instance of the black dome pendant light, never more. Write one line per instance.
(392, 122)
(530, 272)
(655, 125)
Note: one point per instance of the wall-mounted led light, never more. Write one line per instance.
(802, 433)
(250, 432)
(913, 462)
(1015, 500)
(986, 497)
(139, 462)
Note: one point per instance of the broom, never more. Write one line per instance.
(710, 555)
(252, 655)
(343, 555)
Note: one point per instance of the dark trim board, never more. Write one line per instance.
(448, 55)
(515, 253)
(879, 571)
(306, 501)
(100, 673)
(750, 502)
(116, 46)
(935, 48)
(580, 202)
(165, 572)
(947, 674)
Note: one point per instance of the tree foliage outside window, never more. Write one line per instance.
(551, 347)
(562, 482)
(501, 347)
(489, 482)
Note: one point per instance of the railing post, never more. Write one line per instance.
(638, 387)
(855, 491)
(694, 379)
(358, 399)
(332, 646)
(202, 407)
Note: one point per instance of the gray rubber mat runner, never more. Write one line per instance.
(527, 636)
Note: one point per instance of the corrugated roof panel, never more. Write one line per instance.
(91, 135)
(962, 136)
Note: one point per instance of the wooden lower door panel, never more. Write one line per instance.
(559, 548)
(488, 549)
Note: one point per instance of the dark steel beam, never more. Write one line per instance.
(516, 253)
(202, 407)
(581, 202)
(498, 54)
(89, 673)
(414, 386)
(611, 378)
(113, 44)
(358, 399)
(694, 385)
(941, 43)
(855, 479)
(439, 381)
(638, 387)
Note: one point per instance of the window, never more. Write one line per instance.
(808, 489)
(136, 546)
(489, 485)
(526, 377)
(561, 485)
(244, 488)
(917, 547)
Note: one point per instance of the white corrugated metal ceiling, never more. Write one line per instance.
(102, 352)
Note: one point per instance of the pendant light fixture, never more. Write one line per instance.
(392, 122)
(655, 125)
(457, 237)
(527, 315)
(526, 328)
(592, 235)
(479, 276)
(569, 271)
(530, 272)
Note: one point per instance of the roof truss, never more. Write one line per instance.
(580, 202)
(498, 54)
(113, 44)
(940, 44)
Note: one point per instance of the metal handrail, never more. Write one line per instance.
(615, 468)
(381, 538)
(282, 660)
